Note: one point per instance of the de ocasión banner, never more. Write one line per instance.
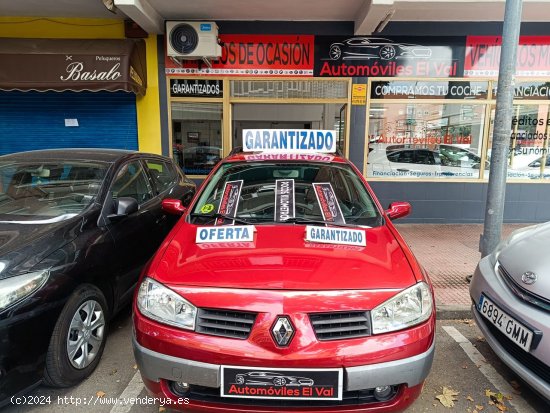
(255, 55)
(362, 56)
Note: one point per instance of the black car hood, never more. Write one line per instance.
(23, 245)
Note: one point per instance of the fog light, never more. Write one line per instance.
(383, 393)
(180, 388)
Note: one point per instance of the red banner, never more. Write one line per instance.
(255, 55)
(483, 56)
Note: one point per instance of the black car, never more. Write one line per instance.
(76, 227)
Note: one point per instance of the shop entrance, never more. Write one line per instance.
(330, 116)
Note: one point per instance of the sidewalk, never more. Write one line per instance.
(449, 253)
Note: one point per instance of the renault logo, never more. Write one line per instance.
(282, 331)
(529, 277)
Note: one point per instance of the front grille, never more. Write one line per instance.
(522, 293)
(225, 323)
(527, 360)
(349, 398)
(341, 325)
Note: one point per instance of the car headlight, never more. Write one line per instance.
(16, 288)
(164, 305)
(408, 308)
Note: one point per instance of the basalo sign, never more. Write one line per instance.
(289, 140)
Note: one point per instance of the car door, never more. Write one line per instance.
(164, 180)
(135, 236)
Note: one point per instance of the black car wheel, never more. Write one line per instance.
(335, 52)
(387, 52)
(239, 379)
(279, 381)
(78, 339)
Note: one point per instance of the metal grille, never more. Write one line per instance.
(289, 89)
(341, 325)
(349, 398)
(525, 359)
(225, 323)
(522, 293)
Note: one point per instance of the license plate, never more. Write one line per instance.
(285, 384)
(511, 328)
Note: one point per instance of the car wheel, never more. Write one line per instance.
(78, 338)
(239, 380)
(335, 52)
(279, 381)
(387, 52)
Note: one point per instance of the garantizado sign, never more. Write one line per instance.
(196, 88)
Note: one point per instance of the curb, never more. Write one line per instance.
(453, 312)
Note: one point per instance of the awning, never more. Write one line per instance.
(73, 64)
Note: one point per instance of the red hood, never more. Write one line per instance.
(280, 259)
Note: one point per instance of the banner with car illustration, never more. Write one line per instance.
(362, 56)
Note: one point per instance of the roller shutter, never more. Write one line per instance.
(39, 120)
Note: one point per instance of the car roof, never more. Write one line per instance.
(284, 157)
(91, 154)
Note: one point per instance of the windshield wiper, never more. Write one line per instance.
(315, 221)
(223, 216)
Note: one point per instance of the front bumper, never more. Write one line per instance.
(159, 371)
(411, 371)
(531, 366)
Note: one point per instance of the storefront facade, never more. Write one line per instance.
(414, 113)
(76, 83)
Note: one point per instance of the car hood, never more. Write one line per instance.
(280, 258)
(22, 246)
(527, 253)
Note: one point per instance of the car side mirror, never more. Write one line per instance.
(398, 210)
(124, 206)
(172, 206)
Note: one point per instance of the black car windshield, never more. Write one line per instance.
(47, 190)
(265, 192)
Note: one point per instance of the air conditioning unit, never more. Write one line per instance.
(192, 40)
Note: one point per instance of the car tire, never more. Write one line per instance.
(387, 52)
(81, 329)
(335, 52)
(279, 381)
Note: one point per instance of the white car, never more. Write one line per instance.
(443, 161)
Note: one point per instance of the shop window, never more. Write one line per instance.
(196, 136)
(528, 149)
(425, 140)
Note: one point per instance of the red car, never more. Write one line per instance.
(284, 287)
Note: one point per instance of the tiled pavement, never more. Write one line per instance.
(449, 252)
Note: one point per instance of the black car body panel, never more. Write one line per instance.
(85, 248)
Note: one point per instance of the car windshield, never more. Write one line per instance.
(47, 190)
(265, 192)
